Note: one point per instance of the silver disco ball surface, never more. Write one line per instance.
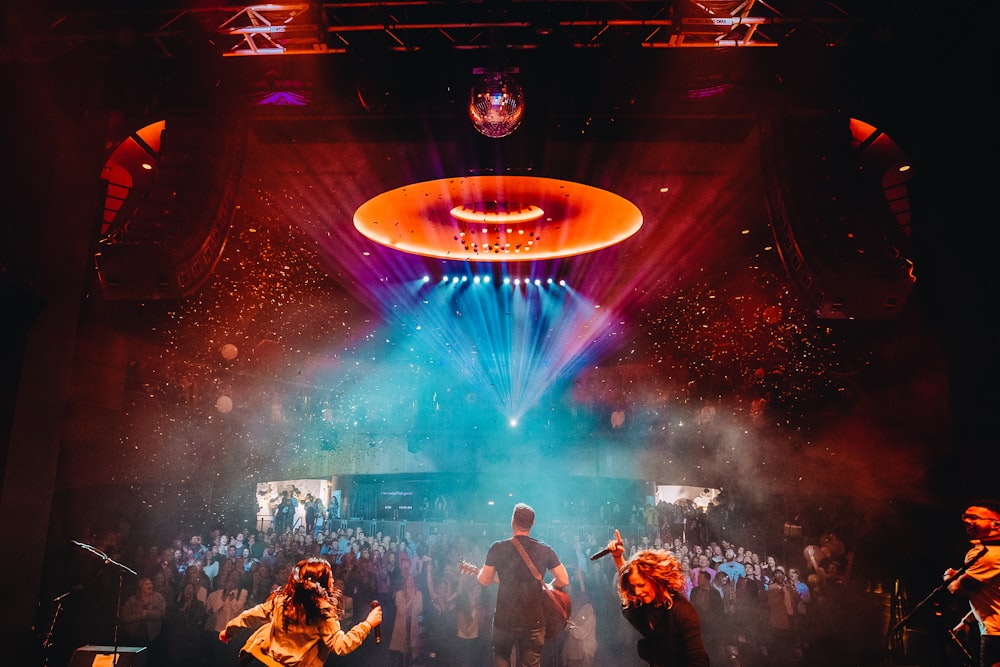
(496, 105)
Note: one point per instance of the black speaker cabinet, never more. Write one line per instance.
(104, 656)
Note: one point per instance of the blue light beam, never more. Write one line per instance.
(513, 343)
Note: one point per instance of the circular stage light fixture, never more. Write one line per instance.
(498, 218)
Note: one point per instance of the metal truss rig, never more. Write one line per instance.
(413, 25)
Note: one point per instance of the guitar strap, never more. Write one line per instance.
(551, 603)
(527, 561)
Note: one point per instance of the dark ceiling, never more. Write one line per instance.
(629, 96)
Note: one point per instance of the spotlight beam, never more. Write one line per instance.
(512, 343)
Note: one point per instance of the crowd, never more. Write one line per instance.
(755, 609)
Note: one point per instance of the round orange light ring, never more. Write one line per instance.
(530, 218)
(496, 213)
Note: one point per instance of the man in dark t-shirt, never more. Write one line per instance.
(519, 619)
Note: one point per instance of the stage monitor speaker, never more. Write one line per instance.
(104, 656)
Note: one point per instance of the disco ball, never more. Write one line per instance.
(496, 105)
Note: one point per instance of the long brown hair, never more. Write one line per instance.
(309, 593)
(657, 566)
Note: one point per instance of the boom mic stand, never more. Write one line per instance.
(47, 643)
(122, 569)
(894, 630)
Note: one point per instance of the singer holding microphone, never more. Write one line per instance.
(979, 578)
(298, 625)
(651, 586)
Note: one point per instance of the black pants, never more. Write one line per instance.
(528, 642)
(989, 651)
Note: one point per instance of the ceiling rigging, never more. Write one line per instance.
(413, 25)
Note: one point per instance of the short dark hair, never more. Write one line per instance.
(524, 516)
(991, 504)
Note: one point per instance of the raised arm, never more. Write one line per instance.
(617, 550)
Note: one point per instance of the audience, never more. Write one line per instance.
(754, 607)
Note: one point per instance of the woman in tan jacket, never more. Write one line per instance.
(298, 625)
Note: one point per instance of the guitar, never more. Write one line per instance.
(557, 603)
(557, 607)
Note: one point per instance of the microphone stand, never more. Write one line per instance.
(122, 569)
(952, 633)
(894, 630)
(47, 642)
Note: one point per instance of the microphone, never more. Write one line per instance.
(604, 552)
(75, 589)
(378, 628)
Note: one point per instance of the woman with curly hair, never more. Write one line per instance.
(298, 626)
(651, 585)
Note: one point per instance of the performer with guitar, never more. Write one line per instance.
(651, 586)
(517, 565)
(979, 578)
